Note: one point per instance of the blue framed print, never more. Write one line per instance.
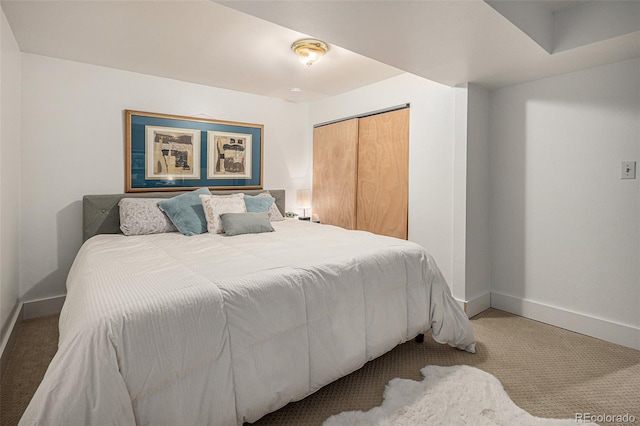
(171, 152)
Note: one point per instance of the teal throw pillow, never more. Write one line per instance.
(246, 223)
(186, 212)
(258, 204)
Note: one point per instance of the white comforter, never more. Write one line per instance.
(203, 330)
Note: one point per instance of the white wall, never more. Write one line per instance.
(459, 233)
(565, 227)
(431, 137)
(560, 227)
(477, 238)
(471, 238)
(73, 144)
(9, 173)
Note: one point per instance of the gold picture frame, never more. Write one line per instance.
(166, 152)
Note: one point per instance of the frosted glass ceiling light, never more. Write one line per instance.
(309, 50)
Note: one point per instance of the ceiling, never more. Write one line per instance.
(493, 43)
(245, 45)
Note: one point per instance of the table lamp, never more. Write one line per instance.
(304, 202)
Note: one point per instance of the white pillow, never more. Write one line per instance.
(274, 213)
(215, 205)
(141, 216)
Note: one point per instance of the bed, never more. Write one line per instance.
(219, 330)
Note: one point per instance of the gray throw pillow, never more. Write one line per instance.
(245, 223)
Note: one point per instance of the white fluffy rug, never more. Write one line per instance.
(458, 395)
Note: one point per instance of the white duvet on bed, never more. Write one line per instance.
(215, 330)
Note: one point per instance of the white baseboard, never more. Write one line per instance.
(10, 337)
(478, 304)
(610, 331)
(43, 307)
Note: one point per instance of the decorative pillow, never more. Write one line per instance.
(274, 213)
(246, 223)
(186, 213)
(142, 216)
(215, 205)
(258, 204)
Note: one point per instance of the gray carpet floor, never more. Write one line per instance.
(547, 371)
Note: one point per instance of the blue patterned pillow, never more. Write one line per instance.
(258, 204)
(186, 212)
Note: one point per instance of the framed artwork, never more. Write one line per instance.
(229, 155)
(170, 152)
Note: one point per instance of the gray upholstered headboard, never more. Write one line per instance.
(100, 213)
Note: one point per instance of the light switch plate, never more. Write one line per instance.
(628, 170)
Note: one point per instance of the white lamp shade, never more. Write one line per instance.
(304, 198)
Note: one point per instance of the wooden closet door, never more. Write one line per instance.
(383, 173)
(335, 159)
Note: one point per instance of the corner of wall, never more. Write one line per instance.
(459, 232)
(471, 238)
(9, 333)
(10, 167)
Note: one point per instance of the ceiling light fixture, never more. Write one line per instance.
(309, 50)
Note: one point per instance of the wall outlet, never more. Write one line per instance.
(628, 170)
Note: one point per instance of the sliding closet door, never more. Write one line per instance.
(383, 173)
(335, 157)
